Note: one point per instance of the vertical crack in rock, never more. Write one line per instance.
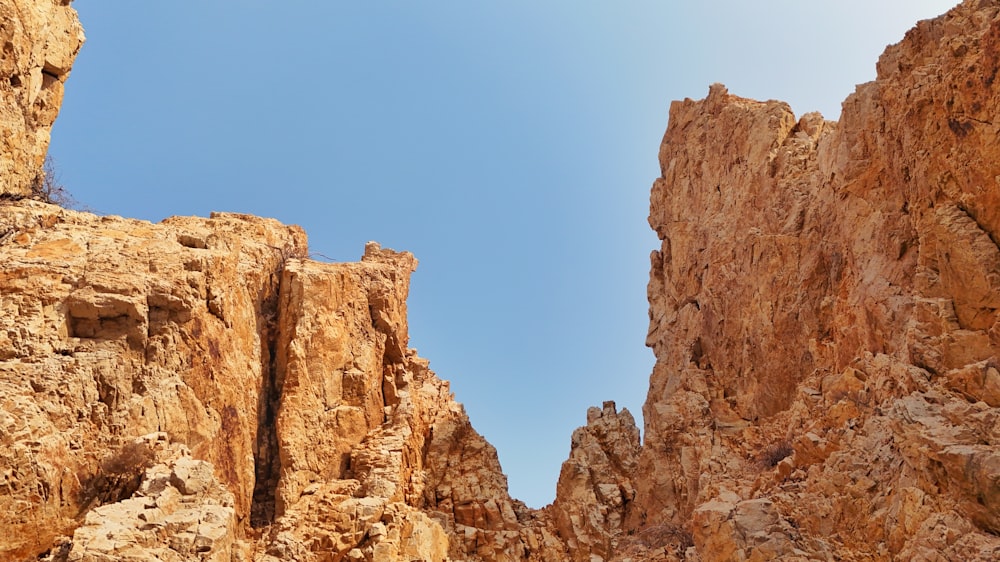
(266, 462)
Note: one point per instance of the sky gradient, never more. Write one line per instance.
(510, 146)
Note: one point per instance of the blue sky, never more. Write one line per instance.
(509, 145)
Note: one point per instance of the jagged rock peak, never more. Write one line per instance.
(595, 483)
(823, 312)
(286, 383)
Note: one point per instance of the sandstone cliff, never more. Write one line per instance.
(196, 389)
(40, 40)
(823, 310)
(824, 315)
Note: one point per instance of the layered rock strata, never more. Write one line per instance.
(40, 39)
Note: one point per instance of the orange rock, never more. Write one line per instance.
(41, 40)
(823, 310)
(857, 257)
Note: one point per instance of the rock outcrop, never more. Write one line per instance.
(288, 385)
(595, 484)
(180, 511)
(823, 310)
(112, 329)
(40, 40)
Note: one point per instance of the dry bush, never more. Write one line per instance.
(118, 476)
(774, 453)
(134, 457)
(290, 251)
(665, 536)
(47, 187)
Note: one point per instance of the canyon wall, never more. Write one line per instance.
(198, 389)
(823, 311)
(40, 40)
(158, 377)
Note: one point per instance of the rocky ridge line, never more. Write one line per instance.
(323, 434)
(825, 327)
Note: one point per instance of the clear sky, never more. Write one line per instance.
(509, 145)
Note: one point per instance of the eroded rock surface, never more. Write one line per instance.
(40, 40)
(595, 483)
(180, 511)
(112, 329)
(288, 382)
(823, 312)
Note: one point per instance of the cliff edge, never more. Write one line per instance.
(823, 311)
(40, 41)
(198, 389)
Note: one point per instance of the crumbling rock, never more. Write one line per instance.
(287, 382)
(823, 310)
(40, 40)
(595, 483)
(835, 294)
(114, 328)
(179, 512)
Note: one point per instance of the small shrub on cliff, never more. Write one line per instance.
(134, 457)
(774, 453)
(48, 188)
(118, 477)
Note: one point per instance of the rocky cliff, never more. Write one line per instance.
(823, 310)
(40, 40)
(196, 389)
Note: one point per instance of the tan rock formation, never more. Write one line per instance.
(377, 461)
(319, 433)
(40, 40)
(823, 309)
(111, 329)
(180, 511)
(595, 483)
(825, 323)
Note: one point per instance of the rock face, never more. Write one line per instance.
(823, 309)
(112, 329)
(40, 40)
(595, 484)
(180, 511)
(825, 322)
(284, 387)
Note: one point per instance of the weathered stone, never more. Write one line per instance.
(823, 310)
(292, 378)
(824, 315)
(595, 483)
(179, 512)
(114, 328)
(40, 40)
